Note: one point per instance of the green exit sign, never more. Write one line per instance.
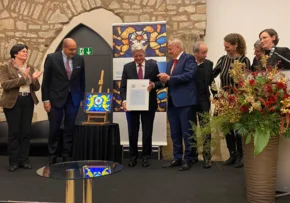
(85, 51)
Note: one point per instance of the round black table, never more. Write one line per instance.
(97, 142)
(75, 170)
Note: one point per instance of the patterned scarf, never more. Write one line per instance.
(21, 71)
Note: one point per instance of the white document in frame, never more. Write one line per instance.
(137, 97)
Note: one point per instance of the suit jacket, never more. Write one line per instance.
(208, 66)
(11, 82)
(182, 84)
(151, 72)
(56, 85)
(274, 59)
(255, 64)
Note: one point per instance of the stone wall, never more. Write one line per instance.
(37, 22)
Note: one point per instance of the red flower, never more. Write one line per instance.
(262, 100)
(268, 88)
(271, 100)
(252, 82)
(255, 74)
(244, 109)
(269, 68)
(241, 84)
(281, 85)
(231, 98)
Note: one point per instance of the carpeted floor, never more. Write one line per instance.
(133, 185)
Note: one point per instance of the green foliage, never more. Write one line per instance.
(259, 126)
(201, 133)
(253, 126)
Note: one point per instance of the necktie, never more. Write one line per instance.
(140, 72)
(174, 65)
(67, 68)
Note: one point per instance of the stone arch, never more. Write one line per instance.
(102, 27)
(80, 25)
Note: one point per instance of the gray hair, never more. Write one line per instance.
(137, 46)
(176, 41)
(196, 46)
(258, 45)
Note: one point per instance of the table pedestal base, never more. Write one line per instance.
(70, 187)
(87, 191)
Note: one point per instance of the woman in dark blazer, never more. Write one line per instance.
(19, 81)
(269, 40)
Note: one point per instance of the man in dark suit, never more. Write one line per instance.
(204, 80)
(63, 88)
(182, 101)
(140, 69)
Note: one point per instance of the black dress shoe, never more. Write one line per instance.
(25, 166)
(51, 160)
(132, 162)
(230, 161)
(12, 168)
(172, 163)
(185, 166)
(194, 161)
(66, 159)
(206, 164)
(145, 162)
(239, 162)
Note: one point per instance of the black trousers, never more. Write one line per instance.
(234, 143)
(57, 117)
(204, 107)
(19, 120)
(147, 120)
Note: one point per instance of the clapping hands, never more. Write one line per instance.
(36, 74)
(27, 72)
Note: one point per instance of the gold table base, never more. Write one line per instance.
(70, 189)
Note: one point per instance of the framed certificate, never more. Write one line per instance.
(137, 97)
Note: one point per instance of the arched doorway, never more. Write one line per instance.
(101, 59)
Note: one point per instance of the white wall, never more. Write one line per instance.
(247, 17)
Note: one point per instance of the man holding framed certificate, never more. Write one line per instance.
(139, 99)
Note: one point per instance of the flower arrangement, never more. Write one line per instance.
(257, 107)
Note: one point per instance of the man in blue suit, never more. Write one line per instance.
(182, 101)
